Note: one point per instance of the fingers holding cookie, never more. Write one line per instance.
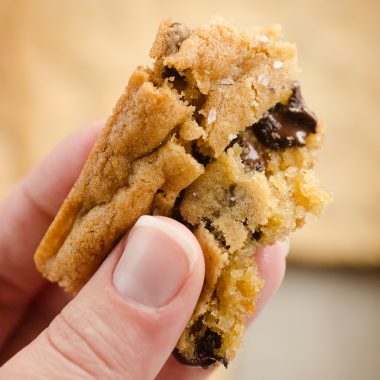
(26, 215)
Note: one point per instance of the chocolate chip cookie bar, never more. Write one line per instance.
(216, 135)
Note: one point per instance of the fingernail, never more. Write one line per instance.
(156, 262)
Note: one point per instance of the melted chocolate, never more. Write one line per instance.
(250, 156)
(286, 125)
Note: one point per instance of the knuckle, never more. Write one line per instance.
(71, 342)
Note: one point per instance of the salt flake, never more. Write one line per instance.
(227, 81)
(232, 136)
(300, 136)
(263, 79)
(252, 155)
(277, 64)
(211, 116)
(263, 38)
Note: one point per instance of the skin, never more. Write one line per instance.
(46, 334)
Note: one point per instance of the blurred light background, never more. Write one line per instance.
(64, 64)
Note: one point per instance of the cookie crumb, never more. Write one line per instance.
(232, 136)
(277, 64)
(211, 116)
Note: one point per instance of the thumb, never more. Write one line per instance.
(128, 318)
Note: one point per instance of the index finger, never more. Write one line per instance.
(26, 214)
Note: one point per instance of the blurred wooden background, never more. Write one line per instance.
(64, 64)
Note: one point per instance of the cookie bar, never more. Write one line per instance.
(216, 135)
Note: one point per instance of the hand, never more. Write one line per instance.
(126, 321)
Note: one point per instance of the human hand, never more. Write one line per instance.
(128, 318)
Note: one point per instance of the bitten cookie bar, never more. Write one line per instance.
(216, 135)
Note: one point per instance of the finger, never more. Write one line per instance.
(271, 263)
(126, 321)
(27, 213)
(49, 303)
(44, 307)
(51, 300)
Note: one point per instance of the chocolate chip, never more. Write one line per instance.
(257, 235)
(204, 355)
(250, 156)
(178, 34)
(197, 326)
(204, 361)
(208, 343)
(286, 125)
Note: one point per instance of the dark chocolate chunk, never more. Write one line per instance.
(197, 326)
(209, 342)
(204, 355)
(286, 125)
(204, 362)
(251, 157)
(257, 235)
